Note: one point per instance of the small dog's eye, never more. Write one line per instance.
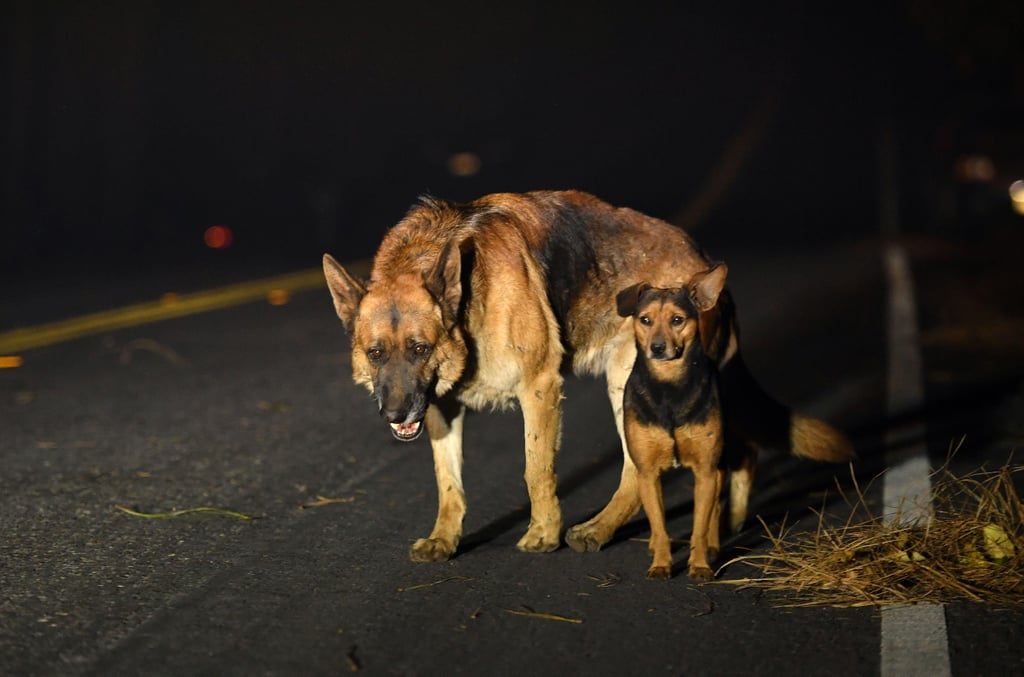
(677, 320)
(375, 354)
(644, 320)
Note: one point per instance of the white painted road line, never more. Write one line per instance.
(914, 640)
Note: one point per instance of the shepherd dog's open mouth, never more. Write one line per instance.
(407, 432)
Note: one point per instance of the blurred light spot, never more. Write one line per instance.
(1017, 191)
(1017, 196)
(464, 164)
(169, 299)
(218, 237)
(9, 361)
(278, 297)
(975, 169)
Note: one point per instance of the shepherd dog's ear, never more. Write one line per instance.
(444, 281)
(707, 286)
(346, 291)
(628, 299)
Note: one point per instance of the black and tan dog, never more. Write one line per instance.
(691, 401)
(672, 412)
(479, 305)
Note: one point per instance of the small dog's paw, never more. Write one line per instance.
(659, 573)
(582, 539)
(431, 550)
(536, 541)
(700, 573)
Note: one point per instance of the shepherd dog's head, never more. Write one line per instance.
(407, 347)
(667, 322)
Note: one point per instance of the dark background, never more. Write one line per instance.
(131, 127)
(789, 137)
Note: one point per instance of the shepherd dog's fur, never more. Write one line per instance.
(672, 412)
(480, 305)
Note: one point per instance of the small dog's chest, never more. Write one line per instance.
(671, 405)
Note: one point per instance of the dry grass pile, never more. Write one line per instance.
(968, 545)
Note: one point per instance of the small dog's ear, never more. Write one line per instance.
(706, 287)
(627, 300)
(346, 291)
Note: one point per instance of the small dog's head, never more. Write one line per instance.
(666, 321)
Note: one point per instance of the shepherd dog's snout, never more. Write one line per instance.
(394, 409)
(403, 407)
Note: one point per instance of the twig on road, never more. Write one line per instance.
(151, 346)
(527, 611)
(606, 581)
(457, 579)
(324, 500)
(186, 511)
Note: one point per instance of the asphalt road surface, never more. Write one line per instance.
(251, 409)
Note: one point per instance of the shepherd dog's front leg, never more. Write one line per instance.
(444, 425)
(591, 535)
(541, 402)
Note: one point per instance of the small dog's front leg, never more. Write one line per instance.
(654, 505)
(705, 495)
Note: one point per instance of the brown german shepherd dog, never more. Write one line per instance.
(480, 304)
(672, 413)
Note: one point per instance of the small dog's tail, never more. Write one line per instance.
(817, 440)
(758, 419)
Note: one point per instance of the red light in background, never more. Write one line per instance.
(218, 237)
(278, 297)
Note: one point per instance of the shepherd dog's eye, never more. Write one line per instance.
(375, 354)
(677, 320)
(644, 320)
(420, 349)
